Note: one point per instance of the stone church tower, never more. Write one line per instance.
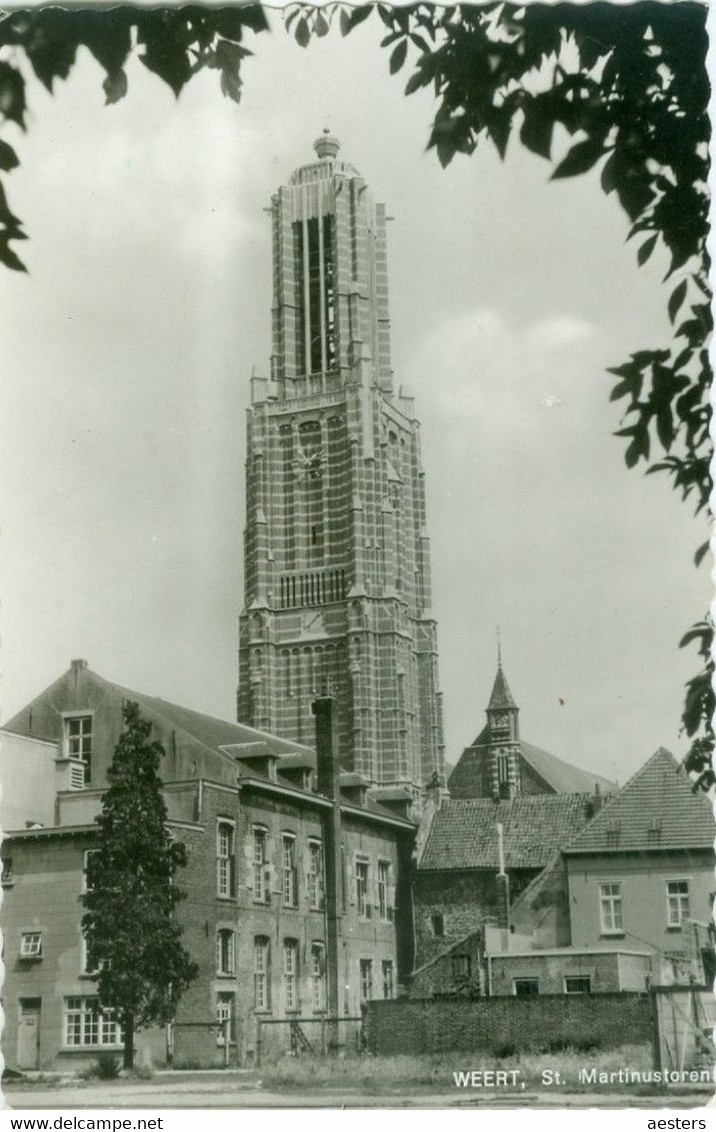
(337, 563)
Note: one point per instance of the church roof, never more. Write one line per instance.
(463, 834)
(656, 809)
(501, 695)
(558, 776)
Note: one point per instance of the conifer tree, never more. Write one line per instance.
(133, 939)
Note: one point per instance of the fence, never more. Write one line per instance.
(310, 1035)
(683, 1019)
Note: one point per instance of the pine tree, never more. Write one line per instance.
(132, 936)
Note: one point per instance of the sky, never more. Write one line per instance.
(126, 354)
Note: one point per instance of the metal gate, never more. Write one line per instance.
(683, 1018)
(313, 1035)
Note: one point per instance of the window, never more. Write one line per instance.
(315, 874)
(366, 979)
(461, 968)
(90, 965)
(613, 834)
(86, 1025)
(290, 873)
(318, 976)
(290, 973)
(31, 945)
(7, 874)
(437, 925)
(503, 768)
(262, 972)
(90, 860)
(225, 1014)
(677, 902)
(577, 984)
(78, 742)
(260, 883)
(610, 904)
(387, 978)
(362, 888)
(225, 862)
(384, 909)
(525, 986)
(225, 952)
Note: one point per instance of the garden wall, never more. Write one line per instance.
(500, 1026)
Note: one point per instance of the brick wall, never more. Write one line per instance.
(489, 1025)
(465, 901)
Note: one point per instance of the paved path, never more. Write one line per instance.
(232, 1091)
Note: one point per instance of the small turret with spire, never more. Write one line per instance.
(503, 735)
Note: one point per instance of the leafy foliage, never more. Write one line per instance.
(174, 43)
(628, 84)
(129, 925)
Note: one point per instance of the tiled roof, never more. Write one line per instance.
(558, 775)
(501, 695)
(656, 809)
(210, 731)
(464, 831)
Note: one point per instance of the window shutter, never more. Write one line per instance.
(232, 875)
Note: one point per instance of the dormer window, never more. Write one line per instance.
(78, 743)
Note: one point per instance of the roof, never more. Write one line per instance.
(212, 732)
(658, 798)
(501, 695)
(559, 776)
(464, 831)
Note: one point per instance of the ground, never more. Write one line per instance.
(249, 1089)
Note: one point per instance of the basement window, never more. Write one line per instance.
(525, 986)
(577, 984)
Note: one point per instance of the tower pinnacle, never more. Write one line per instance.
(327, 145)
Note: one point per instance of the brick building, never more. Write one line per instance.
(539, 802)
(298, 902)
(622, 899)
(337, 559)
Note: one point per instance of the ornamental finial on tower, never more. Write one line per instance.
(326, 146)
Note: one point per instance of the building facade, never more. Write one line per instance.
(337, 558)
(297, 901)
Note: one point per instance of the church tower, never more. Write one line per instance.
(503, 738)
(337, 563)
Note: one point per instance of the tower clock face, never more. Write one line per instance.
(501, 720)
(308, 463)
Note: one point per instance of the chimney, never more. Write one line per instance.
(329, 785)
(502, 883)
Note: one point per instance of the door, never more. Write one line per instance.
(28, 1034)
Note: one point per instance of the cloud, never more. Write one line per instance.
(558, 331)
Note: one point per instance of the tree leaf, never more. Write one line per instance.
(646, 249)
(8, 157)
(677, 297)
(302, 32)
(397, 57)
(701, 553)
(580, 158)
(115, 87)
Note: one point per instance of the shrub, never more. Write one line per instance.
(107, 1067)
(504, 1049)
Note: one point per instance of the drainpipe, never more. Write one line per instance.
(329, 786)
(503, 883)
